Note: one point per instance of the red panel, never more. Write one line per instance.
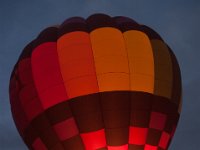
(150, 147)
(17, 111)
(94, 140)
(28, 94)
(47, 75)
(165, 137)
(24, 71)
(66, 129)
(38, 145)
(137, 135)
(33, 108)
(157, 120)
(123, 147)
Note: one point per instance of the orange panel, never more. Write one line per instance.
(81, 86)
(110, 58)
(163, 69)
(141, 61)
(113, 81)
(77, 63)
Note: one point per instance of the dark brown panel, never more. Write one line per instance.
(30, 134)
(49, 137)
(58, 146)
(117, 136)
(40, 123)
(162, 104)
(126, 24)
(135, 147)
(103, 148)
(116, 115)
(150, 32)
(116, 118)
(172, 120)
(72, 24)
(27, 51)
(99, 20)
(153, 137)
(87, 112)
(85, 104)
(159, 148)
(115, 100)
(140, 118)
(89, 122)
(141, 101)
(45, 131)
(176, 90)
(74, 143)
(58, 113)
(47, 35)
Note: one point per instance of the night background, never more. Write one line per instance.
(177, 22)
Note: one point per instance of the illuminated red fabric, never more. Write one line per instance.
(165, 137)
(94, 140)
(123, 147)
(137, 135)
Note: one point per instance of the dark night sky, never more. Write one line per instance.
(177, 21)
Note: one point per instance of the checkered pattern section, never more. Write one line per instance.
(151, 126)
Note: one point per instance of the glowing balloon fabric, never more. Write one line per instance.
(100, 83)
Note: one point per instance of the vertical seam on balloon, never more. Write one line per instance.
(152, 101)
(122, 34)
(62, 82)
(66, 92)
(153, 51)
(100, 96)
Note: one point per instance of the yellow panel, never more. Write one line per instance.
(111, 64)
(110, 57)
(141, 62)
(163, 69)
(107, 41)
(141, 82)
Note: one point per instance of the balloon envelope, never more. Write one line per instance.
(105, 83)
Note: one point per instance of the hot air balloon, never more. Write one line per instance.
(101, 83)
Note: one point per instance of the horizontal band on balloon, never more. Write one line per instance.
(111, 110)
